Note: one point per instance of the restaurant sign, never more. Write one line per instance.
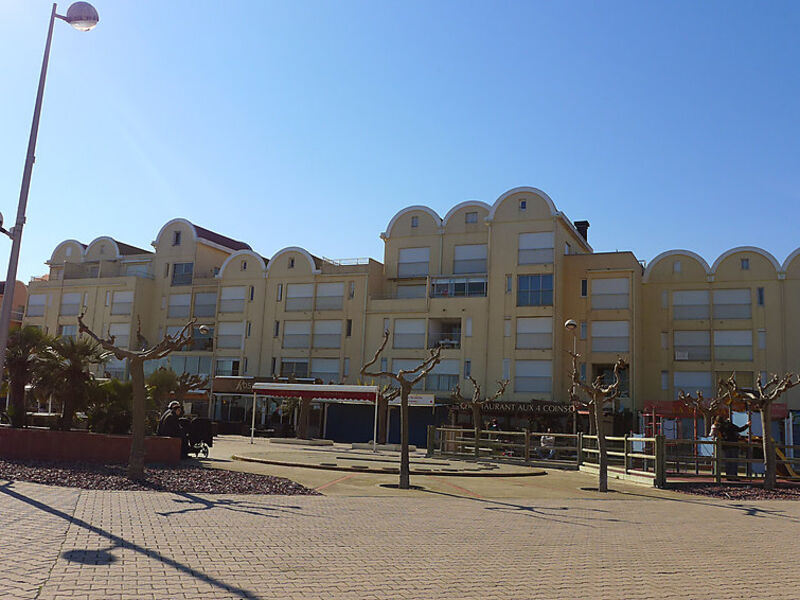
(525, 408)
(237, 385)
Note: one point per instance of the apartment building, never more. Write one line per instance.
(492, 284)
(20, 300)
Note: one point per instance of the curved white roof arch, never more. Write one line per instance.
(297, 249)
(98, 239)
(678, 252)
(530, 190)
(65, 242)
(238, 254)
(789, 260)
(426, 209)
(753, 249)
(178, 220)
(468, 203)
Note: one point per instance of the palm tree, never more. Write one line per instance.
(23, 356)
(66, 373)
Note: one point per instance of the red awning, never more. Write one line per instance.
(351, 393)
(675, 409)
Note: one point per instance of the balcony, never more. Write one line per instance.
(445, 333)
(459, 287)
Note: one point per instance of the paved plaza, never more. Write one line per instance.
(458, 538)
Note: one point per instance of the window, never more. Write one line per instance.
(471, 217)
(179, 305)
(346, 367)
(664, 380)
(205, 304)
(245, 365)
(732, 304)
(108, 298)
(509, 281)
(166, 270)
(415, 221)
(443, 377)
(226, 367)
(229, 335)
(692, 345)
(760, 293)
(272, 366)
(470, 258)
(279, 296)
(68, 251)
(583, 371)
(276, 330)
(533, 376)
(349, 328)
(121, 303)
(299, 296)
(409, 333)
(413, 262)
(733, 345)
(248, 330)
(68, 331)
(535, 333)
(231, 299)
(467, 368)
(384, 364)
(351, 289)
(583, 330)
(676, 266)
(745, 263)
(36, 304)
(291, 262)
(762, 339)
(407, 364)
(691, 305)
(330, 296)
(610, 293)
(176, 238)
(70, 304)
(327, 334)
(252, 292)
(325, 369)
(469, 287)
(535, 290)
(412, 291)
(297, 334)
(584, 288)
(523, 204)
(610, 336)
(386, 324)
(182, 273)
(536, 248)
(243, 266)
(691, 381)
(468, 327)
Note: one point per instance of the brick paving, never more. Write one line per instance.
(66, 543)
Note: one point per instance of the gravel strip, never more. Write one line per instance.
(162, 478)
(742, 491)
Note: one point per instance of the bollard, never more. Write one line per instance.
(625, 453)
(477, 442)
(527, 452)
(661, 461)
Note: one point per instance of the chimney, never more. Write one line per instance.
(583, 228)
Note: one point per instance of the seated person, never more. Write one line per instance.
(170, 426)
(547, 446)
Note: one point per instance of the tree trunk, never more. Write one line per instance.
(67, 410)
(136, 458)
(405, 466)
(602, 456)
(383, 413)
(769, 451)
(477, 424)
(303, 417)
(16, 402)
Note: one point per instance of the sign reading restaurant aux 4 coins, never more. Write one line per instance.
(531, 407)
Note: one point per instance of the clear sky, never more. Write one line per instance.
(666, 125)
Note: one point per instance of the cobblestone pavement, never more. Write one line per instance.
(65, 543)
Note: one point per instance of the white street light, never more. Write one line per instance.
(82, 16)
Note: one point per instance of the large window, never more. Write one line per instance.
(470, 259)
(533, 376)
(230, 335)
(732, 304)
(409, 333)
(536, 248)
(610, 293)
(413, 262)
(182, 273)
(294, 366)
(121, 333)
(406, 364)
(692, 381)
(411, 291)
(691, 305)
(232, 299)
(692, 345)
(205, 304)
(121, 303)
(36, 304)
(610, 336)
(299, 296)
(535, 332)
(733, 345)
(535, 290)
(325, 369)
(225, 367)
(458, 287)
(330, 296)
(70, 304)
(296, 334)
(179, 305)
(443, 377)
(68, 331)
(327, 334)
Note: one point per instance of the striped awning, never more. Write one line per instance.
(319, 393)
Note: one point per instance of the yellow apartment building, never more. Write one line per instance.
(492, 284)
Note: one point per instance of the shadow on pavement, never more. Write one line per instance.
(121, 542)
(197, 503)
(91, 557)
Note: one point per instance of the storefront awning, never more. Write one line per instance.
(318, 393)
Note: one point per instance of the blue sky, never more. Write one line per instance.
(666, 125)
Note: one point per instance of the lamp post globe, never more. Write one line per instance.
(82, 16)
(570, 325)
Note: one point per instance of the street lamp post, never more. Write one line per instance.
(570, 325)
(83, 17)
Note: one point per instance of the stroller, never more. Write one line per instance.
(199, 437)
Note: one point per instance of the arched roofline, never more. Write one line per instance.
(297, 249)
(679, 252)
(789, 260)
(70, 241)
(98, 239)
(754, 249)
(172, 222)
(468, 203)
(240, 253)
(517, 190)
(426, 209)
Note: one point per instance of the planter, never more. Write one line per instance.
(44, 444)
